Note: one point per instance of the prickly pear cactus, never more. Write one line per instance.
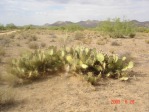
(89, 62)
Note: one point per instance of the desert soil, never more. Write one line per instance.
(8, 32)
(60, 93)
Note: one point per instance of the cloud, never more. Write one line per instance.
(23, 12)
(56, 1)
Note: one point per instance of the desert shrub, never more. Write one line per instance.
(33, 45)
(132, 35)
(19, 36)
(78, 35)
(23, 35)
(5, 41)
(101, 41)
(43, 44)
(28, 27)
(52, 35)
(143, 29)
(116, 43)
(68, 27)
(73, 27)
(118, 28)
(11, 36)
(33, 38)
(88, 62)
(2, 27)
(11, 26)
(27, 35)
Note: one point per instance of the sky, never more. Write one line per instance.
(39, 12)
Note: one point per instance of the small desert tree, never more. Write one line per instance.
(117, 28)
(2, 27)
(68, 27)
(73, 27)
(11, 26)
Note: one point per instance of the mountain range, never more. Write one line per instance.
(93, 23)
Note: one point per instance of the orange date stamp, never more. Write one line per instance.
(116, 101)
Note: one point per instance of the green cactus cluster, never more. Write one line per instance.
(92, 64)
(37, 64)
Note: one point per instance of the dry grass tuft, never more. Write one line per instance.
(5, 41)
(33, 45)
(33, 38)
(79, 35)
(116, 43)
(101, 42)
(43, 44)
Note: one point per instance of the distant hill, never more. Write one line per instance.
(89, 23)
(61, 23)
(92, 23)
(141, 24)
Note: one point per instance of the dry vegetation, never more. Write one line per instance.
(65, 90)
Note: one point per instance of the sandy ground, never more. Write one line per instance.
(7, 33)
(72, 94)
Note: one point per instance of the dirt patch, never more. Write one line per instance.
(8, 32)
